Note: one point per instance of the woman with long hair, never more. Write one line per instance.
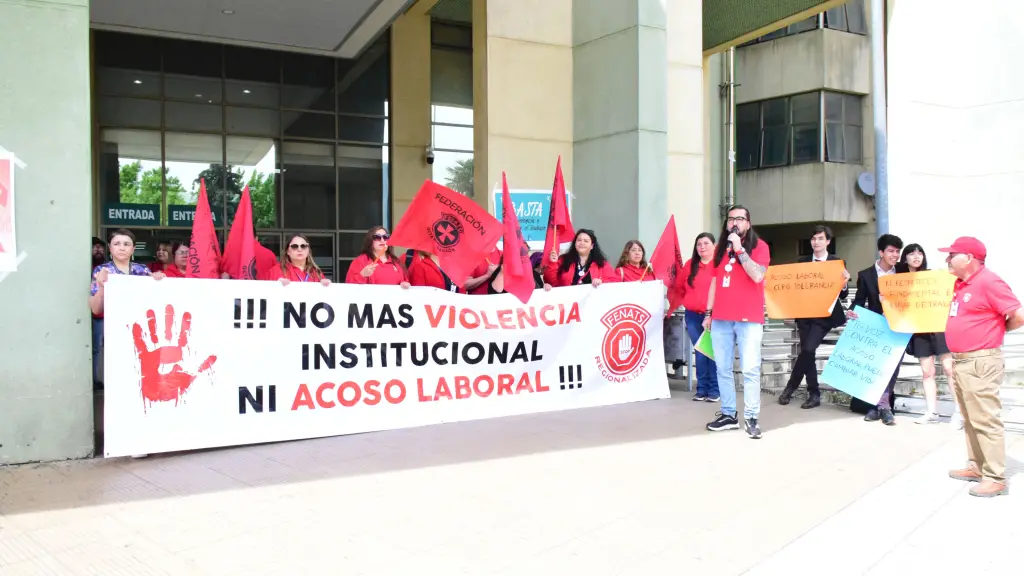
(633, 265)
(694, 285)
(164, 257)
(927, 346)
(583, 263)
(297, 263)
(377, 262)
(179, 260)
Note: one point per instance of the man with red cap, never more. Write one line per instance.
(983, 310)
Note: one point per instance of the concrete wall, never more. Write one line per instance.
(956, 151)
(46, 406)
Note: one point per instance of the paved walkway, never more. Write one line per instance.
(638, 489)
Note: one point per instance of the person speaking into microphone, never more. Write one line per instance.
(735, 316)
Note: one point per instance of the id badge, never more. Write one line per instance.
(725, 281)
(954, 308)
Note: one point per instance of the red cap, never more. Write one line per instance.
(967, 245)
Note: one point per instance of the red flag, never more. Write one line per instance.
(204, 250)
(443, 222)
(240, 250)
(667, 262)
(559, 223)
(515, 260)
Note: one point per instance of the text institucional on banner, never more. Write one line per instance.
(198, 363)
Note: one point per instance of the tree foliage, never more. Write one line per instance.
(138, 187)
(459, 177)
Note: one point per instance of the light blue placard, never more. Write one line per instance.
(532, 209)
(865, 357)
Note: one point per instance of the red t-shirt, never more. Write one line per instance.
(695, 298)
(631, 273)
(737, 297)
(293, 274)
(426, 273)
(977, 315)
(388, 272)
(481, 269)
(173, 272)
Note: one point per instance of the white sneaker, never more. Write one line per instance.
(956, 421)
(930, 418)
(137, 456)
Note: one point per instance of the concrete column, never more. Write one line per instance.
(522, 99)
(409, 107)
(46, 400)
(621, 120)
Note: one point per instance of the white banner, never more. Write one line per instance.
(9, 258)
(195, 364)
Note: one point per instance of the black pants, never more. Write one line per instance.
(812, 334)
(888, 398)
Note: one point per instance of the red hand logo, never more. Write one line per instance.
(162, 377)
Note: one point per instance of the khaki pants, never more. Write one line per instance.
(978, 377)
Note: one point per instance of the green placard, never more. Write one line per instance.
(118, 214)
(704, 345)
(182, 216)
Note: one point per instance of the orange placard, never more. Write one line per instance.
(807, 290)
(917, 302)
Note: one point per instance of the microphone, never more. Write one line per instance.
(733, 230)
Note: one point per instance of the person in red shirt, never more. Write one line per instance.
(695, 285)
(982, 311)
(583, 263)
(477, 283)
(377, 263)
(163, 257)
(735, 316)
(633, 266)
(179, 254)
(426, 271)
(297, 265)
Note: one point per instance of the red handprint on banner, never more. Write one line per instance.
(161, 376)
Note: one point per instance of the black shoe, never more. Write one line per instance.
(872, 415)
(887, 417)
(786, 395)
(723, 422)
(698, 397)
(753, 430)
(813, 401)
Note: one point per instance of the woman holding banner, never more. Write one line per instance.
(377, 263)
(297, 265)
(583, 263)
(927, 347)
(633, 265)
(695, 286)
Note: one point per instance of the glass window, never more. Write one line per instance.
(804, 113)
(308, 83)
(774, 112)
(361, 129)
(121, 82)
(454, 170)
(363, 84)
(308, 182)
(843, 130)
(192, 58)
(254, 121)
(748, 135)
(855, 18)
(253, 163)
(315, 125)
(833, 107)
(774, 146)
(804, 108)
(453, 147)
(271, 241)
(129, 112)
(350, 244)
(190, 158)
(804, 25)
(193, 117)
(852, 113)
(193, 89)
(253, 77)
(835, 19)
(129, 167)
(360, 187)
(451, 35)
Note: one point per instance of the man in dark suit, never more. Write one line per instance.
(812, 331)
(889, 247)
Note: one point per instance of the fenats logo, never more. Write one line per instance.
(446, 232)
(624, 353)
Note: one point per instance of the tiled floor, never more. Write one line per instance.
(638, 489)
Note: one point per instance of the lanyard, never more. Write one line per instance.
(299, 278)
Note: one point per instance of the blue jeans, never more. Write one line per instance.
(97, 349)
(707, 379)
(726, 337)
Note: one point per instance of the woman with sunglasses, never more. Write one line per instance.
(297, 265)
(377, 263)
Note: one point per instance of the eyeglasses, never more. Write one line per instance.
(736, 219)
(381, 236)
(181, 253)
(298, 246)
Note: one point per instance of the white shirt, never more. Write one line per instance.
(880, 272)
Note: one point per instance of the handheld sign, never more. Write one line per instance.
(703, 345)
(807, 290)
(865, 357)
(917, 301)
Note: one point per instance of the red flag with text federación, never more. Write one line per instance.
(515, 259)
(240, 249)
(559, 223)
(443, 222)
(667, 262)
(204, 250)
